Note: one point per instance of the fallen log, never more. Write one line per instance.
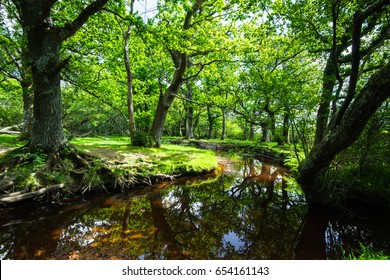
(9, 130)
(12, 197)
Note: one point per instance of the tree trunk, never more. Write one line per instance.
(181, 61)
(286, 128)
(223, 134)
(47, 133)
(28, 94)
(266, 132)
(190, 113)
(164, 103)
(129, 73)
(252, 131)
(211, 121)
(130, 108)
(370, 98)
(28, 107)
(44, 42)
(328, 83)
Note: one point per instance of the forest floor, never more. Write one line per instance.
(93, 164)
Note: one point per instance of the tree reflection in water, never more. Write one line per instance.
(247, 211)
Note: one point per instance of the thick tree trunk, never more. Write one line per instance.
(164, 103)
(370, 98)
(44, 42)
(47, 132)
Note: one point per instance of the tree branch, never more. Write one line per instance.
(373, 8)
(74, 83)
(359, 18)
(71, 28)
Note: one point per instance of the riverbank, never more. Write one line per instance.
(111, 165)
(271, 153)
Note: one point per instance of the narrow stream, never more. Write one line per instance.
(247, 210)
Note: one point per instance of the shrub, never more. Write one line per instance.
(142, 139)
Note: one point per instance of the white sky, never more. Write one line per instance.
(146, 8)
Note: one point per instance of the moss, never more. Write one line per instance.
(168, 159)
(99, 164)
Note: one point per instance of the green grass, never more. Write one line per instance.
(168, 159)
(367, 254)
(10, 141)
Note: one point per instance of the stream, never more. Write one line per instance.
(247, 209)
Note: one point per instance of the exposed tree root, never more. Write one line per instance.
(27, 175)
(24, 195)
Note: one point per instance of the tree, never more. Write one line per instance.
(354, 108)
(189, 44)
(14, 62)
(44, 40)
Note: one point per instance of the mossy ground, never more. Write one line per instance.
(168, 159)
(94, 164)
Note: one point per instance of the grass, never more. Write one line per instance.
(169, 159)
(116, 151)
(111, 162)
(7, 142)
(366, 253)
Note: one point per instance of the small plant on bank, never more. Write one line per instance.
(142, 139)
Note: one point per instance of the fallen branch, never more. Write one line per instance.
(12, 197)
(9, 130)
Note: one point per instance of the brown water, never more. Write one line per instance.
(248, 210)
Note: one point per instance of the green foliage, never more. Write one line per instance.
(10, 103)
(142, 139)
(366, 253)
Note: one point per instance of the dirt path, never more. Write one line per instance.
(4, 149)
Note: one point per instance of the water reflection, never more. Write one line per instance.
(246, 211)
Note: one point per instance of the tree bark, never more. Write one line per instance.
(164, 103)
(328, 84)
(47, 133)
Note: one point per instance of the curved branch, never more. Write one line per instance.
(71, 28)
